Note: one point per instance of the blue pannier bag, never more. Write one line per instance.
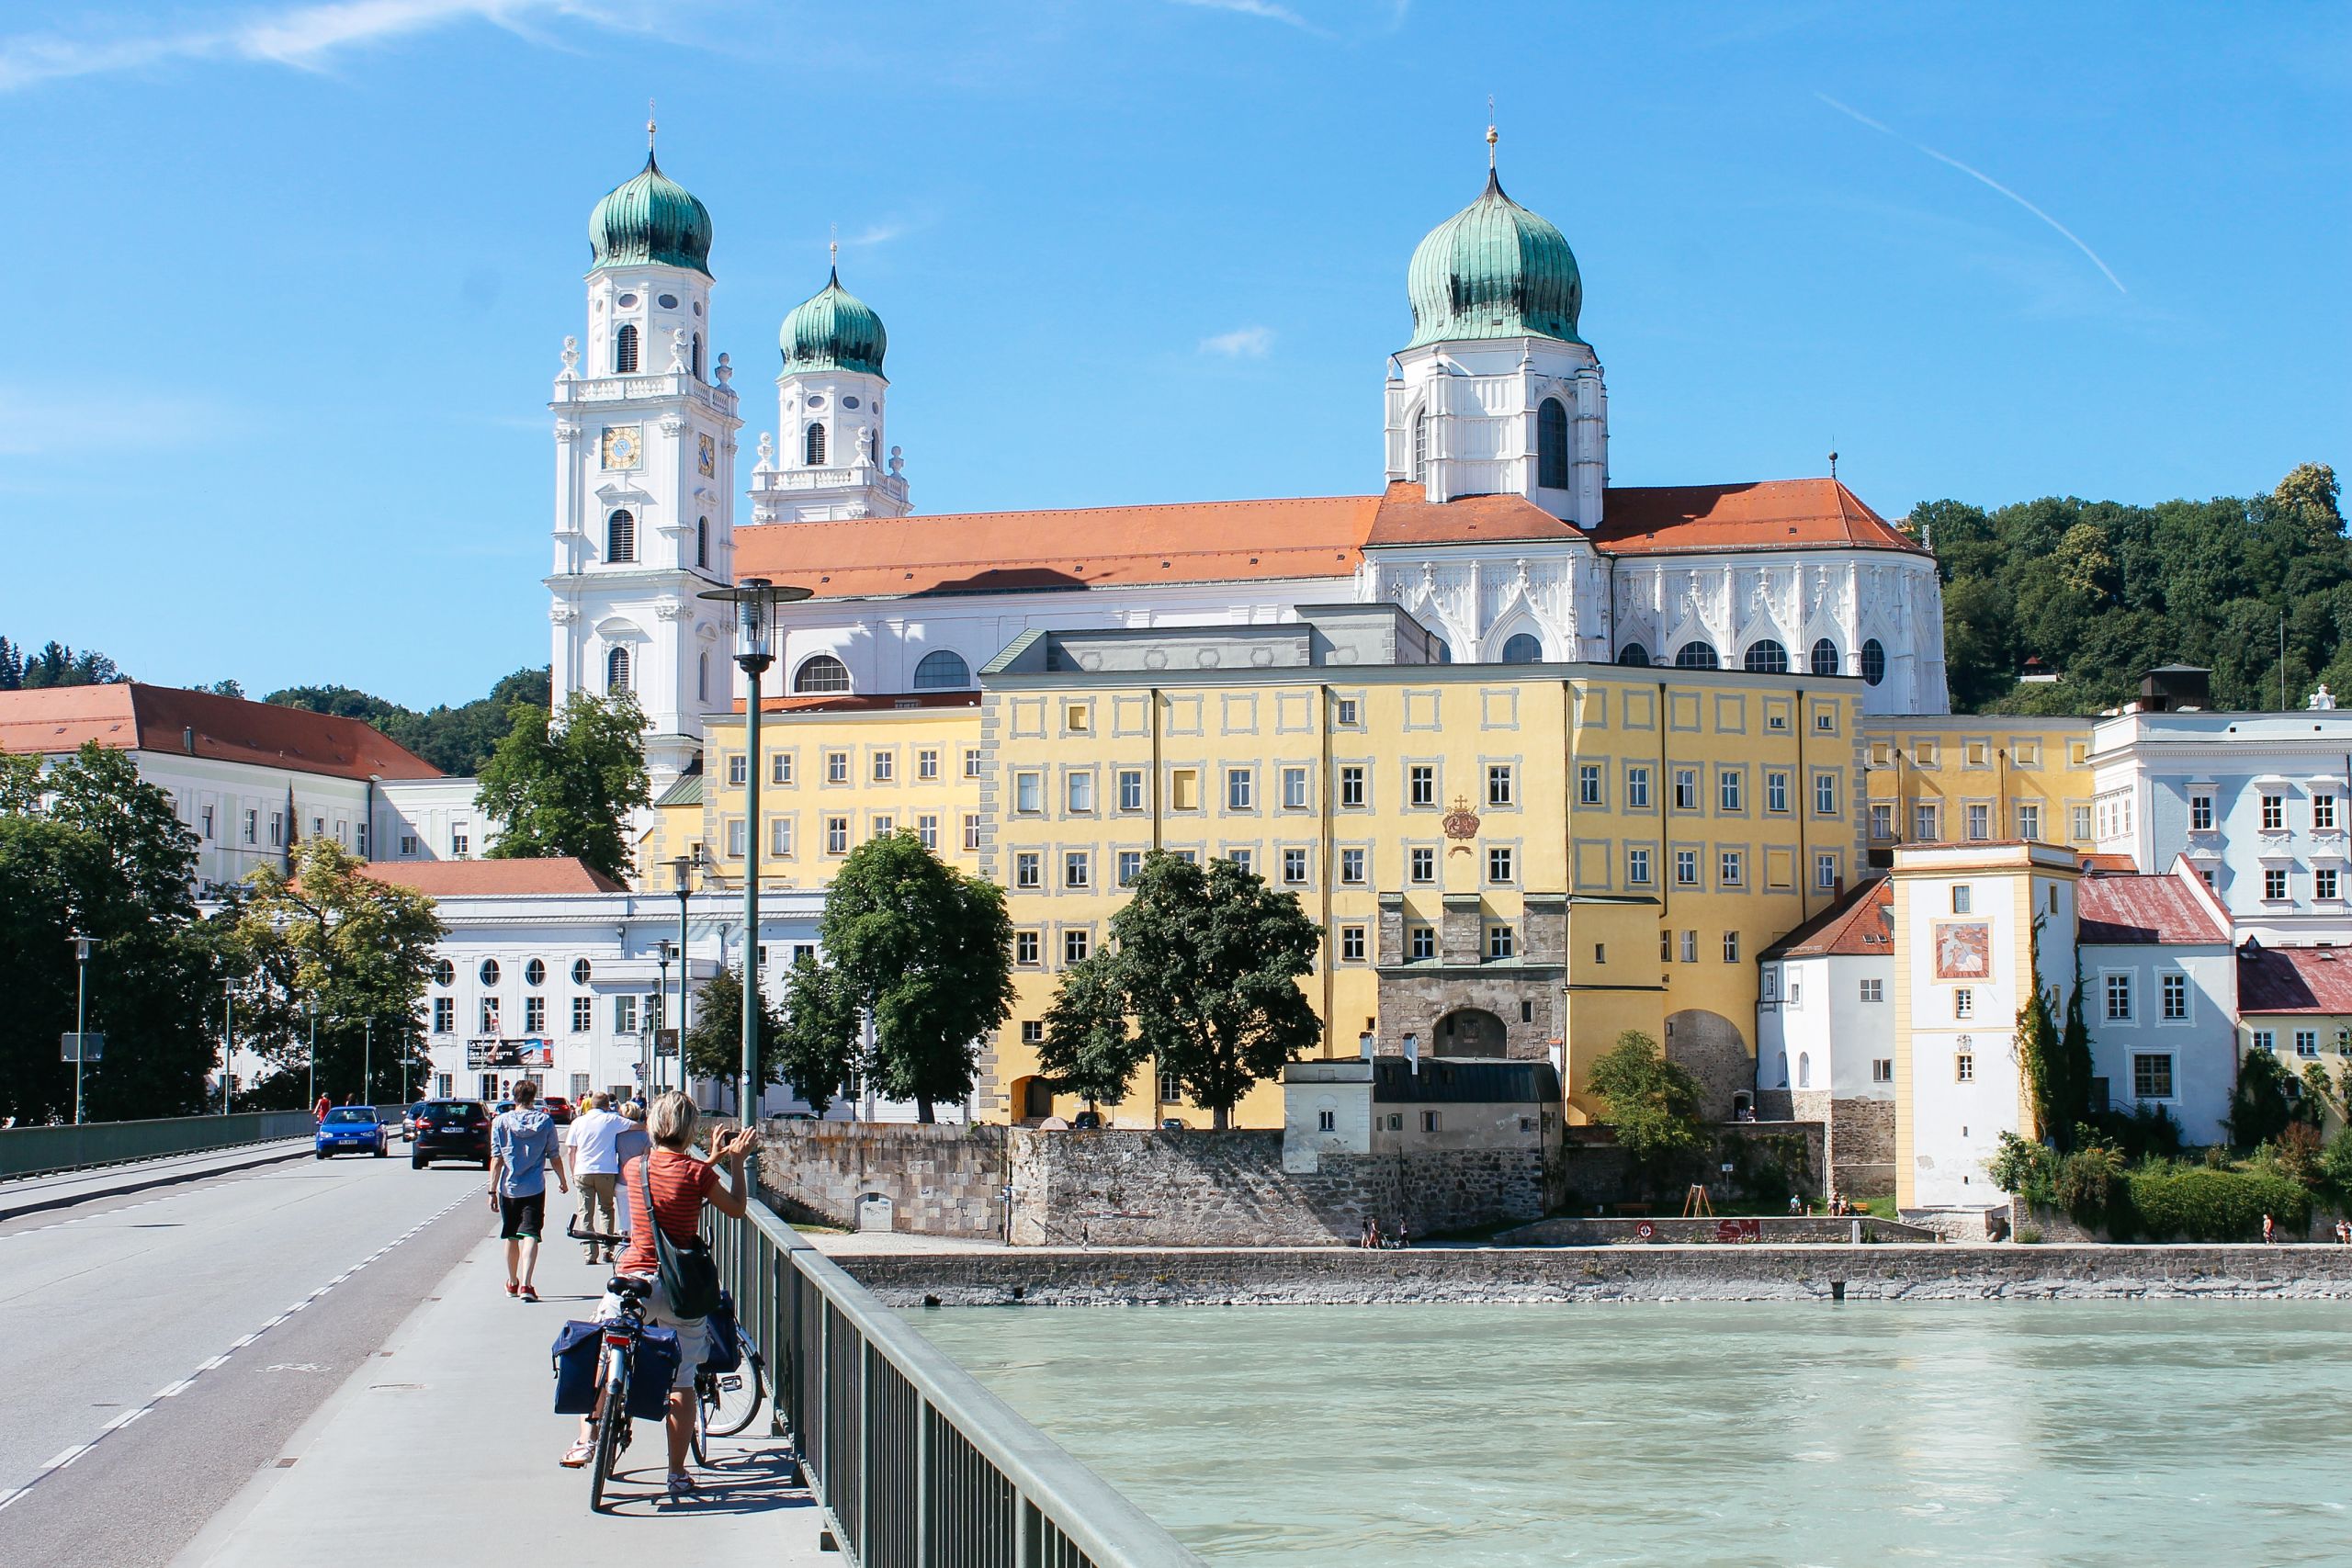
(578, 1347)
(726, 1351)
(650, 1372)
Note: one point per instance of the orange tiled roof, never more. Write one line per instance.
(1861, 923)
(464, 878)
(129, 717)
(1223, 541)
(2295, 979)
(997, 552)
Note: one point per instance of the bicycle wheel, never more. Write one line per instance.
(698, 1434)
(734, 1398)
(612, 1428)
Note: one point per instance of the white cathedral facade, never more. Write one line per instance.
(1497, 527)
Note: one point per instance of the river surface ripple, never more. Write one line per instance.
(2093, 1433)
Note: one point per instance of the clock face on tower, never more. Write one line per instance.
(706, 456)
(624, 444)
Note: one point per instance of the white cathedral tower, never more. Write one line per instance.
(644, 462)
(827, 462)
(1496, 394)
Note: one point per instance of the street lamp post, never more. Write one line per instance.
(755, 599)
(368, 1062)
(81, 1018)
(310, 1007)
(679, 867)
(228, 1037)
(662, 1005)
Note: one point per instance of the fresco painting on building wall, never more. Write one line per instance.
(1964, 950)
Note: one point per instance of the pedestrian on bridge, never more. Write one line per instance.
(319, 1111)
(522, 1145)
(593, 1144)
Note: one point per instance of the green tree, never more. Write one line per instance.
(1090, 1050)
(568, 789)
(713, 1043)
(1207, 961)
(88, 848)
(357, 949)
(927, 953)
(2259, 1110)
(458, 740)
(1653, 1104)
(820, 1035)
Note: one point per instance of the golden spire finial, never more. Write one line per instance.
(1491, 137)
(649, 127)
(833, 247)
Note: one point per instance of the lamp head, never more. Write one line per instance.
(82, 945)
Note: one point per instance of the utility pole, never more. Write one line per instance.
(228, 1037)
(311, 1007)
(368, 1064)
(81, 1018)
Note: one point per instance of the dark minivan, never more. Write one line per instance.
(451, 1129)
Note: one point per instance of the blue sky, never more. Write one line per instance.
(294, 277)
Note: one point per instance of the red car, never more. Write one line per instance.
(555, 1105)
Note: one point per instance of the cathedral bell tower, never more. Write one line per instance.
(1496, 394)
(828, 459)
(645, 456)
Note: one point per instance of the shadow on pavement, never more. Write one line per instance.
(740, 1480)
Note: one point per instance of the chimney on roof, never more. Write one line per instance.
(187, 739)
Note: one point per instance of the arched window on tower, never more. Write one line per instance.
(1873, 662)
(620, 537)
(702, 541)
(821, 674)
(702, 677)
(1552, 444)
(617, 671)
(1767, 658)
(625, 351)
(1523, 647)
(941, 671)
(697, 356)
(1697, 656)
(1824, 658)
(812, 445)
(1634, 654)
(1420, 446)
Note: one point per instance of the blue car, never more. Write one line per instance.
(351, 1129)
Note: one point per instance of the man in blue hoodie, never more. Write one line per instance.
(522, 1145)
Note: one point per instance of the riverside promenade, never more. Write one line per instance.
(444, 1438)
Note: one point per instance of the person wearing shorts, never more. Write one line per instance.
(677, 1185)
(522, 1146)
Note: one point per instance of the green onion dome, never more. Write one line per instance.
(1494, 269)
(833, 330)
(651, 220)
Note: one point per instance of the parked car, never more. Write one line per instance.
(556, 1106)
(351, 1129)
(451, 1129)
(1087, 1122)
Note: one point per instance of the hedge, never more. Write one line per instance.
(2193, 1203)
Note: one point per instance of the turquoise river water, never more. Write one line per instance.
(1443, 1437)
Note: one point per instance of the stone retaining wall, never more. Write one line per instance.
(938, 1181)
(1117, 1187)
(1770, 1229)
(1265, 1277)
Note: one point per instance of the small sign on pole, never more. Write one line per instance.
(81, 1047)
(665, 1041)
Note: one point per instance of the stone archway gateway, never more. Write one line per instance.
(1470, 1032)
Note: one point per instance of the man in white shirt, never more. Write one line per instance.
(594, 1147)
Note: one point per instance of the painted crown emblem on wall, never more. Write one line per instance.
(1461, 822)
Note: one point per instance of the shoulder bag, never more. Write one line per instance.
(688, 1273)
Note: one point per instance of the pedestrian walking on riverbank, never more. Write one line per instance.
(2269, 1231)
(522, 1146)
(592, 1143)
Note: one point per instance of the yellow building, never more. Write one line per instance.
(1505, 860)
(1957, 778)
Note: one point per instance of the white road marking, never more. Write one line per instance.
(9, 1499)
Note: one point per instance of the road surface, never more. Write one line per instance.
(161, 1345)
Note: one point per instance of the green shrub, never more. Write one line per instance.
(2336, 1164)
(2166, 1202)
(2025, 1168)
(2029, 1236)
(2085, 1183)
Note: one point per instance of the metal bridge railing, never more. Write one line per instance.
(916, 1465)
(32, 1151)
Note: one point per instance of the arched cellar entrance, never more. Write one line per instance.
(1470, 1032)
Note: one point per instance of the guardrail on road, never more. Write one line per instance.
(917, 1465)
(31, 1151)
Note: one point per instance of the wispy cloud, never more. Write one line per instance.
(880, 234)
(1978, 174)
(1266, 8)
(1242, 343)
(302, 37)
